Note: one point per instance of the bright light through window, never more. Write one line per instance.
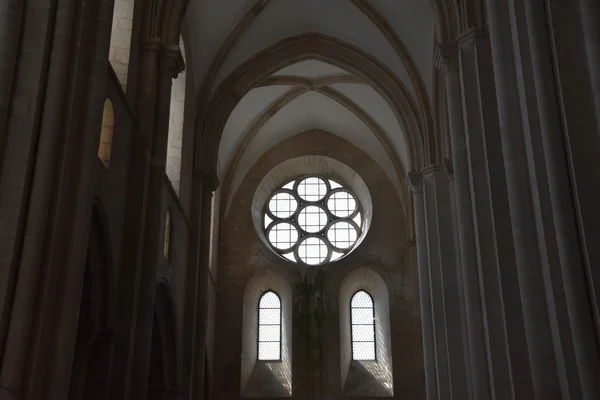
(313, 220)
(269, 327)
(363, 326)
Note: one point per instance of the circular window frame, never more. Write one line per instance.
(322, 234)
(288, 249)
(279, 191)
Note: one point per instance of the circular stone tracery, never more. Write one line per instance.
(312, 220)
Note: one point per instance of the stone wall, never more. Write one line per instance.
(106, 136)
(316, 367)
(175, 140)
(120, 39)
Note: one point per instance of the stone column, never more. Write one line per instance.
(447, 61)
(46, 189)
(205, 183)
(10, 30)
(464, 338)
(415, 182)
(431, 176)
(527, 256)
(577, 107)
(504, 341)
(414, 274)
(444, 283)
(590, 15)
(459, 356)
(131, 265)
(579, 361)
(170, 64)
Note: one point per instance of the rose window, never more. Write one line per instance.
(312, 220)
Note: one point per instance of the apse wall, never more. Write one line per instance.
(316, 367)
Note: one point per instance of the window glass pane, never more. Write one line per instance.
(312, 219)
(269, 351)
(268, 220)
(312, 251)
(341, 204)
(362, 299)
(363, 326)
(269, 326)
(358, 220)
(269, 333)
(334, 184)
(283, 205)
(362, 316)
(289, 185)
(335, 255)
(269, 316)
(290, 256)
(283, 235)
(270, 300)
(363, 351)
(363, 333)
(342, 235)
(312, 189)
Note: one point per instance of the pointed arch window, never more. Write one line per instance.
(363, 326)
(269, 327)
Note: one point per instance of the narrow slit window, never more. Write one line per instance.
(269, 327)
(363, 326)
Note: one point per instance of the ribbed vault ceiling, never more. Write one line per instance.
(314, 94)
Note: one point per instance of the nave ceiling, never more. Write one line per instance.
(372, 83)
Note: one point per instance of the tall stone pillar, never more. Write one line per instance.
(526, 247)
(10, 29)
(571, 315)
(580, 124)
(508, 362)
(463, 338)
(131, 259)
(170, 63)
(204, 185)
(414, 274)
(431, 200)
(46, 190)
(440, 284)
(445, 282)
(447, 61)
(590, 15)
(415, 182)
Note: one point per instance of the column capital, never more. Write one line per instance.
(472, 34)
(432, 168)
(171, 61)
(447, 166)
(446, 57)
(209, 179)
(414, 181)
